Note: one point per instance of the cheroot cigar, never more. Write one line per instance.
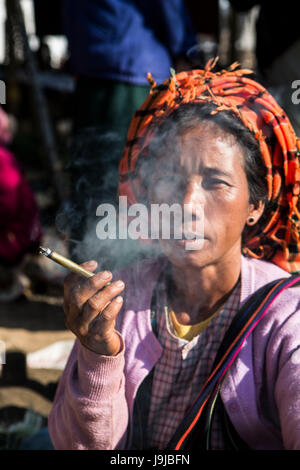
(66, 263)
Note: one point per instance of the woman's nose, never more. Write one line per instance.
(193, 193)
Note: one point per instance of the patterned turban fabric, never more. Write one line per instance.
(275, 237)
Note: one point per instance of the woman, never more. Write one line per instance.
(172, 341)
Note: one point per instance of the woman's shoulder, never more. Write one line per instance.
(262, 271)
(257, 273)
(284, 311)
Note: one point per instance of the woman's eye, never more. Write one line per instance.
(211, 182)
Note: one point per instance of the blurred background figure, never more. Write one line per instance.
(277, 50)
(113, 45)
(20, 229)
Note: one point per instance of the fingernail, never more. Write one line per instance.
(119, 299)
(120, 284)
(105, 275)
(91, 263)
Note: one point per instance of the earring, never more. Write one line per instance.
(250, 220)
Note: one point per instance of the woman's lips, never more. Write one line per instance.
(187, 236)
(190, 244)
(187, 240)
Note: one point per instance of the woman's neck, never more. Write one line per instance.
(197, 293)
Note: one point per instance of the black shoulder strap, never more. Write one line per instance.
(195, 429)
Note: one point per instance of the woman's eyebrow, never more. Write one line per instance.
(215, 172)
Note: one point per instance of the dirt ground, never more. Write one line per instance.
(31, 322)
(28, 326)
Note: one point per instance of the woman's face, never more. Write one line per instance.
(206, 173)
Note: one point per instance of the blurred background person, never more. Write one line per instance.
(20, 229)
(277, 50)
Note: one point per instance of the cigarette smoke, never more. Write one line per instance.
(93, 173)
(94, 180)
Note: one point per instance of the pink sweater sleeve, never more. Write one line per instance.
(90, 409)
(287, 386)
(283, 361)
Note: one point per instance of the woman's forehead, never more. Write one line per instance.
(203, 147)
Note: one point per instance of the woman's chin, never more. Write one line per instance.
(183, 252)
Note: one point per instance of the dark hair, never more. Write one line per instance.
(189, 115)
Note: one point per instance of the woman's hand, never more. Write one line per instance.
(91, 310)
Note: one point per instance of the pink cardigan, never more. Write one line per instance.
(261, 391)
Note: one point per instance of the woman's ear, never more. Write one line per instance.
(255, 212)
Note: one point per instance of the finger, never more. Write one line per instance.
(82, 293)
(98, 302)
(72, 291)
(94, 284)
(111, 311)
(84, 289)
(104, 324)
(73, 279)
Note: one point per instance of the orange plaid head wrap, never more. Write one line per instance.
(277, 237)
